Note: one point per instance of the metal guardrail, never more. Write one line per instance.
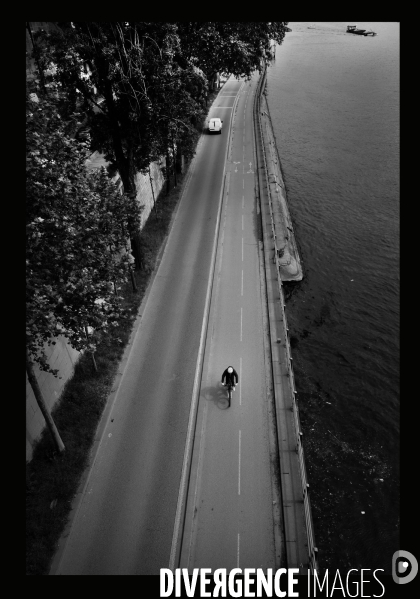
(299, 449)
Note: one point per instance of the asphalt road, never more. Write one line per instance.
(229, 513)
(124, 521)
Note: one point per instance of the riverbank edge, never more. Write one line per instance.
(297, 521)
(288, 257)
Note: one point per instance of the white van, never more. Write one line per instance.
(215, 125)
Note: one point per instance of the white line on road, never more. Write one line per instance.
(238, 551)
(242, 283)
(240, 378)
(239, 465)
(242, 249)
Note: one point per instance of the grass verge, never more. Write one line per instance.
(52, 480)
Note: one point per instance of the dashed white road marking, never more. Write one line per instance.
(239, 465)
(242, 249)
(240, 378)
(238, 551)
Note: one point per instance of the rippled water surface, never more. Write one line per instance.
(334, 103)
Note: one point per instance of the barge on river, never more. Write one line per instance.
(353, 29)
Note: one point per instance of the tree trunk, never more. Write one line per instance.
(92, 353)
(125, 169)
(168, 172)
(35, 53)
(122, 160)
(42, 405)
(153, 193)
(133, 280)
(137, 250)
(179, 162)
(212, 78)
(174, 160)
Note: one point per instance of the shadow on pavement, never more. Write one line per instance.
(216, 394)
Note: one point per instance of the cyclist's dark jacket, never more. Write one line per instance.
(230, 376)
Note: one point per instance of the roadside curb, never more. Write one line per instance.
(278, 517)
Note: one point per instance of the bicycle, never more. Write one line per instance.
(230, 388)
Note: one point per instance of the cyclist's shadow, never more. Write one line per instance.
(217, 394)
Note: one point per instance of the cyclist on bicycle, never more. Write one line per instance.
(230, 376)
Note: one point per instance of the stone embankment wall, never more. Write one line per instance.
(287, 250)
(62, 356)
(299, 538)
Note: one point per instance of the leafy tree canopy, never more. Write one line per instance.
(125, 78)
(76, 225)
(236, 48)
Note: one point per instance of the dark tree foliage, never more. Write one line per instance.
(126, 80)
(76, 240)
(236, 48)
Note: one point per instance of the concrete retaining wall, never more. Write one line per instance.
(288, 254)
(143, 183)
(144, 189)
(63, 357)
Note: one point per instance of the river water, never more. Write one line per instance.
(334, 103)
